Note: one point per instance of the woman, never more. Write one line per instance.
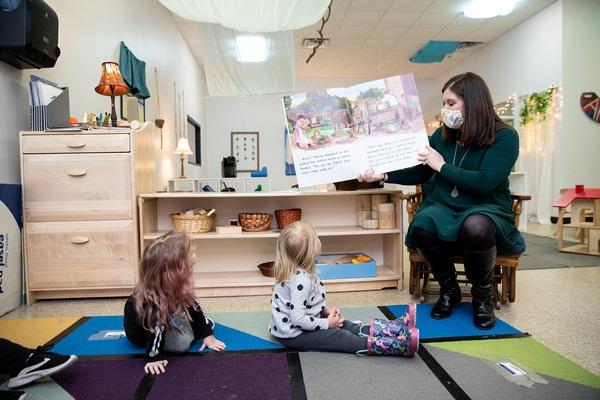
(469, 206)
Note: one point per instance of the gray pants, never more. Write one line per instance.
(179, 340)
(344, 340)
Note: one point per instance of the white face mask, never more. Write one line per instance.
(452, 118)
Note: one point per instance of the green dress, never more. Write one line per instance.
(481, 179)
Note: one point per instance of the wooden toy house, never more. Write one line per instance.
(582, 202)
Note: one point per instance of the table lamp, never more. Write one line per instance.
(111, 84)
(183, 148)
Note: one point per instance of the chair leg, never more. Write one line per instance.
(513, 284)
(506, 288)
(426, 272)
(411, 278)
(496, 280)
(416, 280)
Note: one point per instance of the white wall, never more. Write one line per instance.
(90, 33)
(578, 141)
(13, 118)
(265, 115)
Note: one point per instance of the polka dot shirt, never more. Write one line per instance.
(296, 306)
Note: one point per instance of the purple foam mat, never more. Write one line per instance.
(241, 376)
(102, 379)
(249, 376)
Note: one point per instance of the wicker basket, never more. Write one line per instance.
(266, 268)
(255, 222)
(287, 216)
(193, 223)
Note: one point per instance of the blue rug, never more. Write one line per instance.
(458, 325)
(100, 336)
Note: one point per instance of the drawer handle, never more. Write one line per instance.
(75, 145)
(76, 172)
(79, 239)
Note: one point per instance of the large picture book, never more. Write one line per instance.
(335, 134)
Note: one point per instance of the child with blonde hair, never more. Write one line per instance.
(300, 318)
(162, 314)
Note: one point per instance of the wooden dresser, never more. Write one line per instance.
(79, 210)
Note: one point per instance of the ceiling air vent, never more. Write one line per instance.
(310, 43)
(467, 45)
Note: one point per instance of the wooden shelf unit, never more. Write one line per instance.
(227, 262)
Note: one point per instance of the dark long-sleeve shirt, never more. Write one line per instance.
(154, 340)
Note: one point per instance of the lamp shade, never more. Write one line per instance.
(183, 147)
(111, 82)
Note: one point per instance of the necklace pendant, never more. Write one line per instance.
(454, 192)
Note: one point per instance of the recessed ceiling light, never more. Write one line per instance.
(251, 48)
(489, 8)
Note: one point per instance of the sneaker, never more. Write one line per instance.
(39, 364)
(12, 395)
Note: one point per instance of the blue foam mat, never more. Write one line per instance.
(459, 324)
(78, 342)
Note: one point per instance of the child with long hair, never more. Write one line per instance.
(300, 318)
(162, 314)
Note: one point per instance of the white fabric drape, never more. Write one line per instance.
(251, 15)
(225, 76)
(537, 151)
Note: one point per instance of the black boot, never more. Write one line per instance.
(443, 269)
(479, 266)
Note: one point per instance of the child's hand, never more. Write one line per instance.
(156, 367)
(212, 343)
(330, 310)
(335, 320)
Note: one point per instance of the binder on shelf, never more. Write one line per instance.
(53, 115)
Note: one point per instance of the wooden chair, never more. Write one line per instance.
(505, 271)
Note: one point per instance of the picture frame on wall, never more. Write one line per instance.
(194, 139)
(132, 108)
(244, 147)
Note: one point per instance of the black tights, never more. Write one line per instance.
(477, 233)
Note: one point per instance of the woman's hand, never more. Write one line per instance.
(432, 158)
(212, 343)
(156, 367)
(369, 176)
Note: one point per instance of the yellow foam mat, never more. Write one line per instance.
(33, 332)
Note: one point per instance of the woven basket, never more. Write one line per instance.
(193, 223)
(287, 216)
(255, 222)
(266, 268)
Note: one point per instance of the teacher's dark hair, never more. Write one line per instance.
(480, 119)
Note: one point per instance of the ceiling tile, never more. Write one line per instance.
(410, 5)
(453, 34)
(410, 45)
(398, 19)
(415, 34)
(387, 32)
(447, 6)
(433, 20)
(353, 32)
(464, 23)
(362, 18)
(346, 43)
(369, 5)
(377, 44)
